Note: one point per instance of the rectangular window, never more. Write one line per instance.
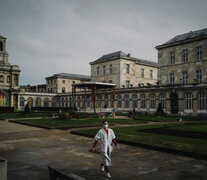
(110, 81)
(172, 57)
(110, 68)
(142, 72)
(151, 74)
(127, 83)
(199, 53)
(199, 76)
(98, 71)
(63, 81)
(185, 77)
(104, 70)
(127, 68)
(73, 82)
(172, 78)
(188, 101)
(185, 55)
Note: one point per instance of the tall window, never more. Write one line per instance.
(185, 77)
(152, 101)
(134, 101)
(1, 78)
(172, 57)
(143, 101)
(199, 76)
(126, 101)
(162, 100)
(199, 53)
(22, 101)
(63, 90)
(100, 101)
(172, 78)
(127, 83)
(106, 102)
(46, 102)
(78, 101)
(1, 46)
(142, 73)
(66, 102)
(188, 101)
(88, 101)
(63, 81)
(185, 55)
(8, 79)
(201, 101)
(110, 69)
(119, 101)
(104, 70)
(127, 68)
(16, 79)
(151, 74)
(98, 71)
(112, 101)
(53, 102)
(70, 101)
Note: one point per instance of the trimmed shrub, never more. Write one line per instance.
(6, 109)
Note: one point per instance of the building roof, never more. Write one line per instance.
(90, 85)
(2, 37)
(68, 75)
(120, 54)
(190, 36)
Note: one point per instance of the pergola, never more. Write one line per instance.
(93, 86)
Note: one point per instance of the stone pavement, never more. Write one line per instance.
(30, 150)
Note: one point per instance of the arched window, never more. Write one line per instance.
(152, 101)
(46, 102)
(162, 100)
(143, 101)
(126, 101)
(1, 46)
(188, 101)
(53, 102)
(8, 79)
(106, 101)
(22, 101)
(1, 78)
(3, 100)
(119, 101)
(201, 101)
(134, 101)
(38, 102)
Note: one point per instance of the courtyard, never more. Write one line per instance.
(30, 150)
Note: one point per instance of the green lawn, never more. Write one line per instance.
(21, 115)
(132, 134)
(57, 123)
(162, 118)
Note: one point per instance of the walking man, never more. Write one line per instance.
(107, 138)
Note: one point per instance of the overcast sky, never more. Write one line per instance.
(45, 37)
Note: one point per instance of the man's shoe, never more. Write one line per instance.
(102, 168)
(108, 175)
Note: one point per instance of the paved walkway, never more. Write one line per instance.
(30, 150)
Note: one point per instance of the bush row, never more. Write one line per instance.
(6, 109)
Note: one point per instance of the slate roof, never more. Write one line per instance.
(120, 54)
(68, 75)
(192, 35)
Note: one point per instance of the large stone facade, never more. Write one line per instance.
(9, 78)
(123, 70)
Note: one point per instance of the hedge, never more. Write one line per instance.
(6, 109)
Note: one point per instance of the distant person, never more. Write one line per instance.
(107, 138)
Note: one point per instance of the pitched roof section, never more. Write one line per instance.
(120, 54)
(73, 76)
(2, 37)
(192, 35)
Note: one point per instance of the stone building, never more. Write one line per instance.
(123, 70)
(9, 78)
(62, 82)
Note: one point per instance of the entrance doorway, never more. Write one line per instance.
(174, 103)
